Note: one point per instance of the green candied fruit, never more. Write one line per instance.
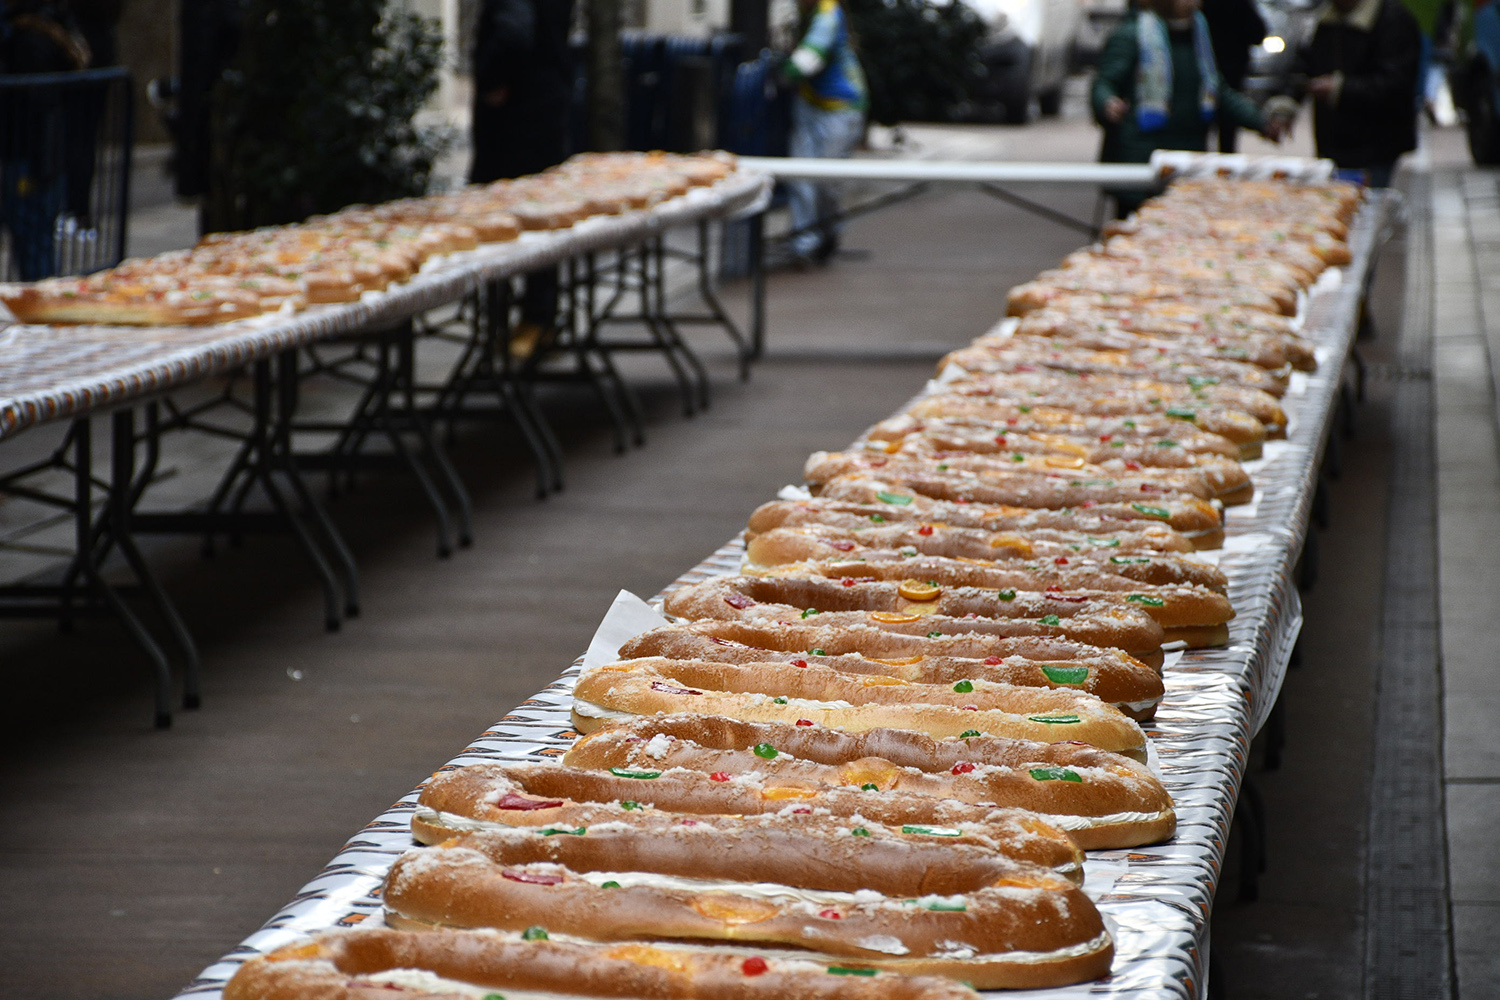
(963, 687)
(765, 751)
(969, 734)
(809, 613)
(611, 884)
(536, 932)
(1151, 511)
(896, 498)
(629, 804)
(552, 831)
(860, 831)
(1051, 620)
(869, 786)
(1055, 774)
(1056, 720)
(626, 772)
(1066, 675)
(844, 970)
(1007, 594)
(1150, 602)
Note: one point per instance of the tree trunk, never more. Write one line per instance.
(606, 107)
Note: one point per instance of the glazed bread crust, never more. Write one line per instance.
(956, 907)
(1102, 799)
(851, 602)
(542, 796)
(348, 966)
(785, 693)
(1109, 674)
(978, 505)
(1120, 528)
(1173, 606)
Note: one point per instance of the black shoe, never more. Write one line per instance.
(826, 249)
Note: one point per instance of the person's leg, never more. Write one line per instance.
(539, 300)
(1229, 137)
(802, 196)
(1380, 175)
(29, 208)
(844, 129)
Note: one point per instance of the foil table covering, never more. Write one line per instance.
(1216, 699)
(59, 372)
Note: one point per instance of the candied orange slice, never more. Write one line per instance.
(734, 909)
(782, 792)
(893, 617)
(919, 590)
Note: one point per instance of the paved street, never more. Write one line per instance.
(130, 858)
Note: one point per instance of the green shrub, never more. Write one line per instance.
(922, 60)
(317, 111)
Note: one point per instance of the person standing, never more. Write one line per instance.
(1157, 87)
(1234, 27)
(1360, 68)
(36, 36)
(828, 118)
(520, 116)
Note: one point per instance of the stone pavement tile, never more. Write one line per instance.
(1475, 950)
(1470, 709)
(1473, 862)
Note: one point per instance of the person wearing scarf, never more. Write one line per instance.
(1157, 87)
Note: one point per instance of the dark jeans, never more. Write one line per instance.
(29, 207)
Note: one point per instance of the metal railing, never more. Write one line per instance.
(65, 144)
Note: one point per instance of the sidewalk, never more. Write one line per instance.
(1466, 324)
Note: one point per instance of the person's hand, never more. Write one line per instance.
(1115, 109)
(1323, 88)
(497, 97)
(1278, 127)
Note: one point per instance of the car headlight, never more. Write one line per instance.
(1272, 44)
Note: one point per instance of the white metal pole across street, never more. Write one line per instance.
(1141, 176)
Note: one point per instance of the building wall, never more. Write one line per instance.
(148, 47)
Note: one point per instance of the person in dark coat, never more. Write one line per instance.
(36, 36)
(1234, 27)
(520, 124)
(1156, 87)
(1360, 69)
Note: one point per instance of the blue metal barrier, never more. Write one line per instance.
(65, 143)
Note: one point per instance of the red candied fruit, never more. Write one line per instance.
(799, 663)
(804, 722)
(830, 914)
(992, 660)
(925, 529)
(1133, 465)
(719, 776)
(969, 708)
(847, 581)
(753, 966)
(1061, 560)
(962, 767)
(739, 601)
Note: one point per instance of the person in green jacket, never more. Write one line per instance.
(1157, 87)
